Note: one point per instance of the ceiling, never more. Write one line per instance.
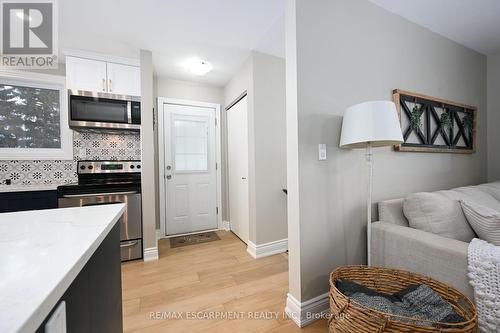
(222, 32)
(473, 23)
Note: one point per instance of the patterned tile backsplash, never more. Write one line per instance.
(86, 146)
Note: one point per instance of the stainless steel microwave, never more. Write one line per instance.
(98, 110)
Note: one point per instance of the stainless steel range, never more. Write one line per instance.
(108, 182)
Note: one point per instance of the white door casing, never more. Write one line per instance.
(189, 153)
(237, 146)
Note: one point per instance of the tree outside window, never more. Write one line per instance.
(29, 117)
(33, 117)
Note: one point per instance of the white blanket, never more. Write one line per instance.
(484, 274)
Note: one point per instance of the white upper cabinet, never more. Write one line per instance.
(102, 76)
(124, 79)
(86, 74)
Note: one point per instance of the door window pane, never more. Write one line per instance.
(29, 117)
(191, 145)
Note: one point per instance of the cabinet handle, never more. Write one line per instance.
(110, 85)
(103, 85)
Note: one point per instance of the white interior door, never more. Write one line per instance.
(237, 138)
(190, 168)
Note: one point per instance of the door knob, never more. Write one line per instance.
(243, 178)
(169, 177)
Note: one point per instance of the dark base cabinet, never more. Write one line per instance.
(27, 200)
(94, 299)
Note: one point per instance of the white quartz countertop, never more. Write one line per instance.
(23, 188)
(41, 253)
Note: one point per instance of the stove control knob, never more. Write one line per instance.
(138, 166)
(90, 167)
(82, 167)
(132, 166)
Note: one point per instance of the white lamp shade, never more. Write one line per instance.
(375, 123)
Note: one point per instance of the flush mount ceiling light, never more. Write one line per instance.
(198, 67)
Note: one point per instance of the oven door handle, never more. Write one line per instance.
(97, 194)
(129, 244)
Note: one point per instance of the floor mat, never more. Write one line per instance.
(193, 239)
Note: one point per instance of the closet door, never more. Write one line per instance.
(237, 131)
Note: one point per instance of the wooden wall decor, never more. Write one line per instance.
(435, 125)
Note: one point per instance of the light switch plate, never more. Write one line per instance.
(322, 151)
(57, 322)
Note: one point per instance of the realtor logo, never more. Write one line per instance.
(29, 38)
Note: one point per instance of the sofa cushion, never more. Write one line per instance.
(492, 188)
(473, 194)
(436, 213)
(484, 220)
(392, 211)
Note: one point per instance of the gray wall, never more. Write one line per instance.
(292, 151)
(270, 147)
(167, 87)
(149, 167)
(263, 77)
(493, 117)
(341, 61)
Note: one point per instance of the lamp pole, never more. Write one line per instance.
(369, 161)
(363, 125)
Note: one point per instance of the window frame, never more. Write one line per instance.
(206, 121)
(44, 81)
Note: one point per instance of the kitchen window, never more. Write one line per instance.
(33, 117)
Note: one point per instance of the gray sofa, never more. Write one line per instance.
(396, 245)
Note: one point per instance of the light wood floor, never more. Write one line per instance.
(208, 279)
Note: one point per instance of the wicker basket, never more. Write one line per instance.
(351, 317)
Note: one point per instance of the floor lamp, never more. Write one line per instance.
(368, 125)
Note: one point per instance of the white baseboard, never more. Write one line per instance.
(151, 254)
(307, 312)
(267, 249)
(226, 226)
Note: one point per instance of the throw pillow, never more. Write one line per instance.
(435, 213)
(485, 221)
